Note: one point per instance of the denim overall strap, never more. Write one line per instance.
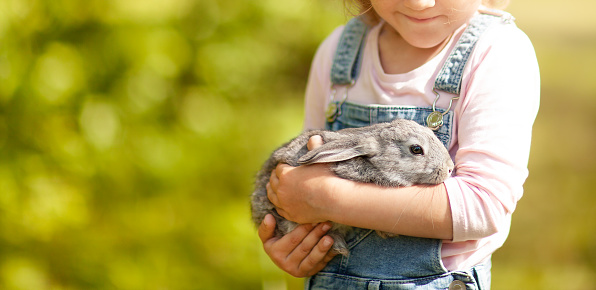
(346, 62)
(450, 76)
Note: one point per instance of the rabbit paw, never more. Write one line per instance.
(386, 235)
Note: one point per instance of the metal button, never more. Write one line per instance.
(457, 285)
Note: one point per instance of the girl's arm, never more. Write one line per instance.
(310, 194)
(305, 251)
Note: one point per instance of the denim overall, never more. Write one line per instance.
(400, 262)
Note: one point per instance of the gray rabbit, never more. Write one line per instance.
(399, 153)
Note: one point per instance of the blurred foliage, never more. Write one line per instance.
(130, 132)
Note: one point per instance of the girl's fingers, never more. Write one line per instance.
(302, 252)
(285, 245)
(295, 238)
(271, 187)
(314, 142)
(271, 194)
(280, 249)
(318, 257)
(322, 264)
(282, 213)
(267, 228)
(312, 249)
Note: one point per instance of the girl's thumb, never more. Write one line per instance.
(314, 142)
(267, 228)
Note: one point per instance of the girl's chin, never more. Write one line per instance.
(425, 43)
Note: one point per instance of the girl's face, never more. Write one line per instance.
(425, 23)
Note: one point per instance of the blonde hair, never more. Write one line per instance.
(364, 7)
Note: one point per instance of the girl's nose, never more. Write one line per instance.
(419, 5)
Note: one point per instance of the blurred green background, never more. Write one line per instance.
(130, 132)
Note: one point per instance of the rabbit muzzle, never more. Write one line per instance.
(447, 170)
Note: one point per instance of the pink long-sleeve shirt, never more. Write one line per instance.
(490, 145)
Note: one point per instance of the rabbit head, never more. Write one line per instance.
(400, 153)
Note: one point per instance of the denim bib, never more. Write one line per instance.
(400, 262)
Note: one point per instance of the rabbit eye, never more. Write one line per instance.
(416, 149)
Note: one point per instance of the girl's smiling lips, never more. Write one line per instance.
(422, 19)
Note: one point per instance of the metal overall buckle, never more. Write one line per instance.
(434, 121)
(334, 109)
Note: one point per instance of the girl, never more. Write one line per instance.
(454, 65)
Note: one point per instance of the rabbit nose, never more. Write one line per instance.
(449, 164)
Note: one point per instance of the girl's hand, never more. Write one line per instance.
(301, 194)
(302, 252)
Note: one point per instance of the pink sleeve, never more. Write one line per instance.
(318, 86)
(500, 99)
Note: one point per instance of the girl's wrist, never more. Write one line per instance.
(338, 192)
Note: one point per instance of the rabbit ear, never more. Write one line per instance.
(337, 151)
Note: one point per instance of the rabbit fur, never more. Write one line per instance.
(398, 153)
